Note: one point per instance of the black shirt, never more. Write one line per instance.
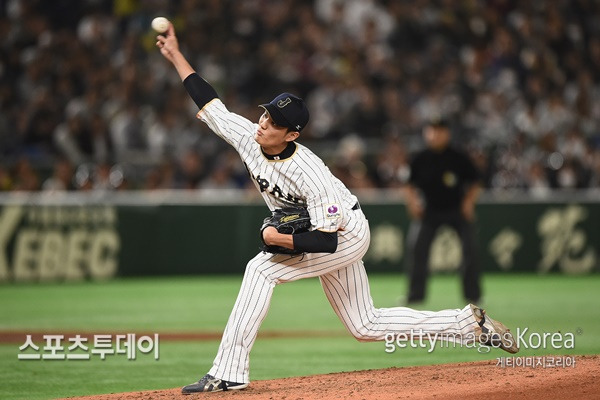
(443, 177)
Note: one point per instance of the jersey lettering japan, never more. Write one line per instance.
(301, 179)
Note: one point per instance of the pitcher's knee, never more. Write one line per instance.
(363, 333)
(258, 267)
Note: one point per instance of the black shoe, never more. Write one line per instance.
(211, 384)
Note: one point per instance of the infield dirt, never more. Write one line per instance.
(465, 381)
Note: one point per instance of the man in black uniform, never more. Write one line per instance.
(449, 184)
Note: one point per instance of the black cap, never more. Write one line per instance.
(288, 111)
(438, 122)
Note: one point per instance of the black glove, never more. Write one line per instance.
(287, 220)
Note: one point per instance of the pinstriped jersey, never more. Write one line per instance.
(296, 177)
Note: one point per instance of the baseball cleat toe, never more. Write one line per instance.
(211, 384)
(493, 333)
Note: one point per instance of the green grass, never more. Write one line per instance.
(202, 304)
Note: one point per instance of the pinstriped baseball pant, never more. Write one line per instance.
(344, 280)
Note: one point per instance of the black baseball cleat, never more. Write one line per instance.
(493, 333)
(211, 384)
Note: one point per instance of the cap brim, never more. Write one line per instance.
(275, 115)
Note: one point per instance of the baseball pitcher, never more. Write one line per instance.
(330, 246)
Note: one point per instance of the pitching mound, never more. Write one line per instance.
(449, 381)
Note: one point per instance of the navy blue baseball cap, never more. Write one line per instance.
(288, 111)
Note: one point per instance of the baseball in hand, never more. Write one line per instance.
(160, 24)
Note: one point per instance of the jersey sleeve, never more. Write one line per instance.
(233, 128)
(323, 198)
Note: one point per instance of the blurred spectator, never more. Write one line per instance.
(102, 179)
(349, 165)
(393, 168)
(5, 179)
(82, 139)
(190, 171)
(366, 114)
(128, 133)
(594, 162)
(84, 177)
(26, 179)
(537, 181)
(61, 179)
(161, 176)
(218, 178)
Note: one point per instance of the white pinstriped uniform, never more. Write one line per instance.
(303, 179)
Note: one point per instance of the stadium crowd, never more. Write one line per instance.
(88, 103)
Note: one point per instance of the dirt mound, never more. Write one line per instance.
(463, 381)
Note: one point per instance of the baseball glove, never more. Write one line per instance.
(287, 220)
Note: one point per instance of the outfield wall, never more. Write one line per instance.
(101, 236)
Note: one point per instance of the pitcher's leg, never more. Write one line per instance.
(265, 271)
(348, 292)
(250, 309)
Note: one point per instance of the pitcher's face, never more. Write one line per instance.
(272, 137)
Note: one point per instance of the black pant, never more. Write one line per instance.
(421, 236)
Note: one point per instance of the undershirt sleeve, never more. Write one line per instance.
(199, 90)
(316, 241)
